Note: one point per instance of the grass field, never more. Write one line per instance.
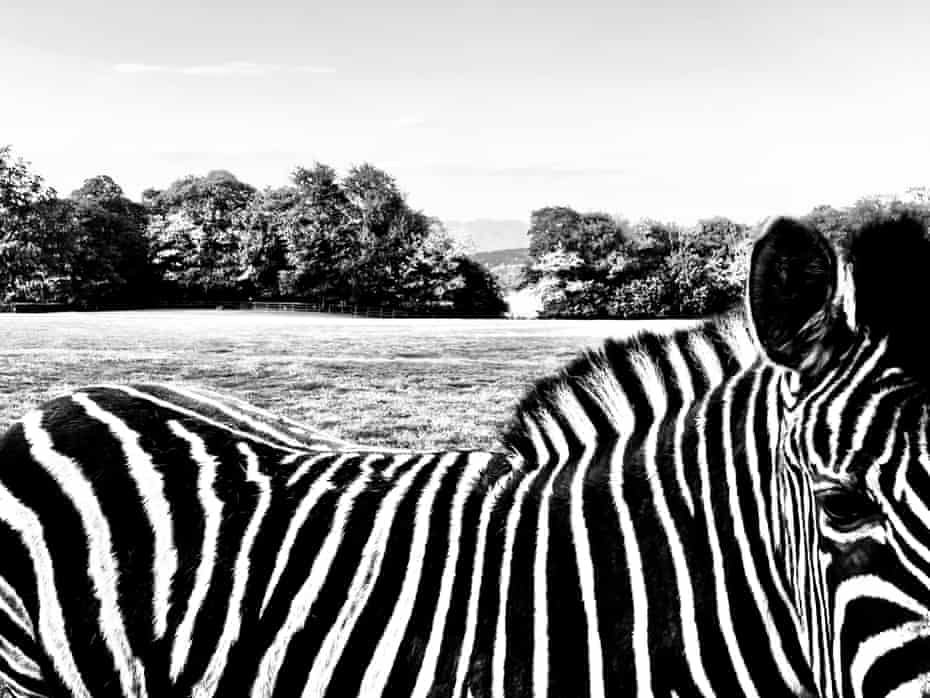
(403, 383)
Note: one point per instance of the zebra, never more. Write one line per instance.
(229, 409)
(733, 509)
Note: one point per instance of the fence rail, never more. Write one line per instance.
(339, 308)
(349, 309)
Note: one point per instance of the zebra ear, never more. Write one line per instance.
(791, 289)
(889, 260)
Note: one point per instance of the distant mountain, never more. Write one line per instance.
(487, 234)
(516, 255)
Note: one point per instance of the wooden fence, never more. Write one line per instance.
(340, 308)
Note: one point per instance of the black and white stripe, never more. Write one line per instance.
(669, 527)
(216, 551)
(160, 552)
(670, 516)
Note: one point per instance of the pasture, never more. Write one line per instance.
(404, 383)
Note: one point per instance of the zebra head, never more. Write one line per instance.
(852, 509)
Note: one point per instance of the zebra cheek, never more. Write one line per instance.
(853, 558)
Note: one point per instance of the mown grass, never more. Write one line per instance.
(402, 383)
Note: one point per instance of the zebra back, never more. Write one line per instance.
(158, 541)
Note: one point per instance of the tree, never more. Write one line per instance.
(682, 272)
(42, 270)
(211, 237)
(651, 269)
(373, 200)
(322, 248)
(378, 276)
(830, 221)
(838, 224)
(425, 274)
(593, 236)
(599, 237)
(649, 242)
(20, 189)
(551, 228)
(195, 234)
(352, 239)
(263, 250)
(111, 259)
(320, 188)
(387, 231)
(718, 236)
(101, 188)
(33, 230)
(472, 290)
(559, 263)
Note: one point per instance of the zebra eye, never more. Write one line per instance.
(846, 509)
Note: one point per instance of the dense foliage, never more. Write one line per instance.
(353, 240)
(593, 265)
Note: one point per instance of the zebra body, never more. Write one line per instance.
(679, 515)
(246, 563)
(214, 554)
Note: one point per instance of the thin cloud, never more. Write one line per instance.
(138, 68)
(231, 68)
(410, 121)
(321, 69)
(227, 69)
(548, 171)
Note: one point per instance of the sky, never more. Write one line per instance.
(668, 109)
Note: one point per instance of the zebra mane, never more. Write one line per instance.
(617, 385)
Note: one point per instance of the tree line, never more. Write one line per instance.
(590, 265)
(353, 239)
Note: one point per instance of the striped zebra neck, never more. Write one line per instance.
(648, 469)
(616, 385)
